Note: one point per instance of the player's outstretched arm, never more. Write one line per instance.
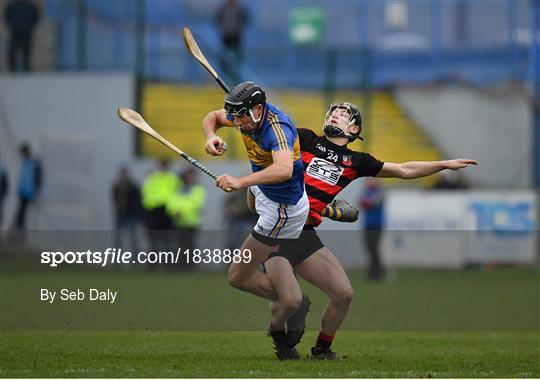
(417, 169)
(210, 124)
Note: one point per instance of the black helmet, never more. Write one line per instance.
(355, 118)
(243, 98)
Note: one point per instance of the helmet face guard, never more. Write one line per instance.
(241, 113)
(241, 100)
(344, 122)
(236, 109)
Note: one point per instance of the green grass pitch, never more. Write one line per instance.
(469, 323)
(247, 354)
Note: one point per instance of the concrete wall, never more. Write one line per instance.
(70, 121)
(493, 126)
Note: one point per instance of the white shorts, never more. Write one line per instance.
(279, 220)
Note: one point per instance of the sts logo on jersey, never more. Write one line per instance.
(324, 171)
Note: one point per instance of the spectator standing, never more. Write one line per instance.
(186, 208)
(21, 17)
(372, 202)
(4, 189)
(157, 189)
(232, 19)
(29, 185)
(239, 219)
(127, 208)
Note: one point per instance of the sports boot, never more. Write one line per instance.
(324, 354)
(282, 349)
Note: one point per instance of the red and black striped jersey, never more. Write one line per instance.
(329, 168)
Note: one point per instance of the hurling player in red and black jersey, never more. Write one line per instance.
(329, 166)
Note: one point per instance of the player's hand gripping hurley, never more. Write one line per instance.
(135, 119)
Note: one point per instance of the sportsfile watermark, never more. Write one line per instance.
(81, 280)
(117, 256)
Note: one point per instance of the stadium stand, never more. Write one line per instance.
(177, 111)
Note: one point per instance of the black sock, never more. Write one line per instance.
(276, 334)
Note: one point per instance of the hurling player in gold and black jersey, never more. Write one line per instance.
(277, 187)
(329, 166)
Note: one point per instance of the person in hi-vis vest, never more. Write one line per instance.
(157, 190)
(186, 207)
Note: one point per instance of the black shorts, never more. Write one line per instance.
(294, 250)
